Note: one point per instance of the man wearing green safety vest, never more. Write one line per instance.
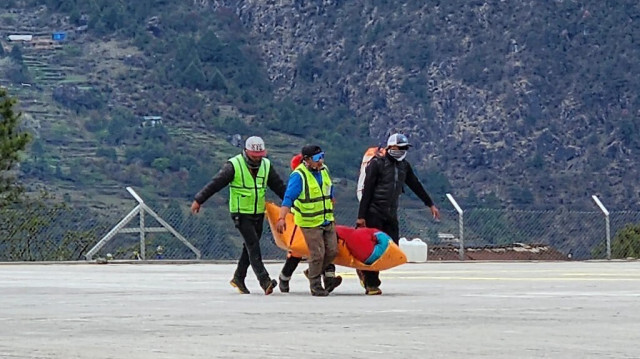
(310, 195)
(248, 175)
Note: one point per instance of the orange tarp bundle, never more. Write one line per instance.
(293, 240)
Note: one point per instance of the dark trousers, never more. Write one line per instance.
(290, 266)
(292, 262)
(388, 226)
(250, 227)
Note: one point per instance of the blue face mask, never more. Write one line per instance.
(398, 155)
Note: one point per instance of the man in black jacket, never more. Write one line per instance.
(248, 175)
(384, 180)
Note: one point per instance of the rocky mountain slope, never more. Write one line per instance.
(516, 103)
(534, 102)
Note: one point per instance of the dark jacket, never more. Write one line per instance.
(224, 177)
(383, 184)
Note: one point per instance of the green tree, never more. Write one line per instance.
(193, 76)
(113, 16)
(42, 228)
(108, 153)
(12, 141)
(217, 81)
(210, 47)
(16, 54)
(9, 4)
(626, 243)
(161, 163)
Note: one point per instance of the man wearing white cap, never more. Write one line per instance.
(384, 181)
(248, 175)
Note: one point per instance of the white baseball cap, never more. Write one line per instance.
(398, 139)
(254, 146)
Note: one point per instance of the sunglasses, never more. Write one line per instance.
(317, 157)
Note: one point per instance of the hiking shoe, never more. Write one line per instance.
(283, 283)
(269, 286)
(284, 286)
(239, 285)
(372, 291)
(331, 283)
(319, 293)
(361, 277)
(316, 287)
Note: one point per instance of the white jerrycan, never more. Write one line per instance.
(415, 249)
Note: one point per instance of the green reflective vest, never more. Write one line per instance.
(247, 194)
(313, 206)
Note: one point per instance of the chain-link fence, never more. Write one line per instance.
(55, 232)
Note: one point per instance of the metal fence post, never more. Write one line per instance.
(143, 247)
(607, 223)
(142, 230)
(460, 223)
(140, 209)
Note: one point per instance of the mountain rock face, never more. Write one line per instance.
(529, 104)
(519, 99)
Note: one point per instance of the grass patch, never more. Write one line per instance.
(75, 79)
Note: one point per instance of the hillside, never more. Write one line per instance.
(520, 103)
(533, 102)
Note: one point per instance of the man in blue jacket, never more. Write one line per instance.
(310, 194)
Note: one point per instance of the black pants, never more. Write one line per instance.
(388, 226)
(290, 265)
(250, 227)
(292, 262)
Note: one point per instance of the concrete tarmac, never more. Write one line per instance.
(430, 310)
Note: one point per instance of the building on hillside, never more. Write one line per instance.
(151, 121)
(19, 38)
(40, 41)
(59, 36)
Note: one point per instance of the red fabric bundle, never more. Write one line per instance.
(360, 242)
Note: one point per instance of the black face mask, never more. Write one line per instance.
(254, 165)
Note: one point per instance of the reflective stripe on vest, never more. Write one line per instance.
(313, 206)
(246, 193)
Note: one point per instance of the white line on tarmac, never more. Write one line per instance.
(555, 295)
(542, 279)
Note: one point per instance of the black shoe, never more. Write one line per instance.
(372, 291)
(283, 284)
(331, 283)
(316, 287)
(268, 286)
(319, 293)
(239, 284)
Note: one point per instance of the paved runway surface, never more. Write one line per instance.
(433, 310)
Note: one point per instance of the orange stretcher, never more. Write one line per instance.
(293, 240)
